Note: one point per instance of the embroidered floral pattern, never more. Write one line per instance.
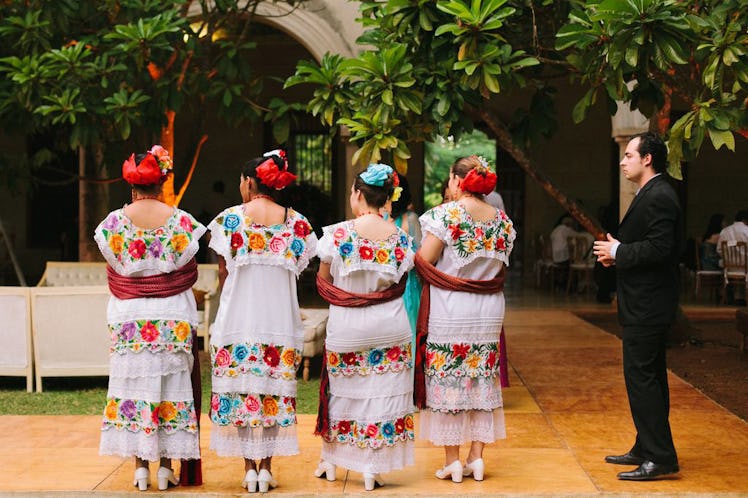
(153, 335)
(469, 237)
(138, 415)
(462, 360)
(377, 360)
(355, 250)
(372, 435)
(252, 410)
(130, 244)
(262, 360)
(288, 240)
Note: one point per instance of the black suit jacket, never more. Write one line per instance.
(651, 236)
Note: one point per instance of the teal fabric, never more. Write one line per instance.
(412, 296)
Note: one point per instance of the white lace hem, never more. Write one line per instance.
(254, 443)
(454, 429)
(132, 365)
(181, 445)
(383, 459)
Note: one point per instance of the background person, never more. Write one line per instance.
(258, 335)
(151, 412)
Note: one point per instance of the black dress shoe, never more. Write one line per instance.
(648, 471)
(627, 459)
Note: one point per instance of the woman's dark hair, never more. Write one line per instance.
(375, 196)
(445, 189)
(401, 205)
(714, 225)
(250, 171)
(152, 189)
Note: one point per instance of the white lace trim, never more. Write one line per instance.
(132, 365)
(250, 383)
(181, 445)
(380, 460)
(254, 443)
(447, 429)
(452, 393)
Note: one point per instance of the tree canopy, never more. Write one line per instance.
(435, 67)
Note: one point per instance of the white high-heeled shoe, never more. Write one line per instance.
(142, 478)
(453, 470)
(165, 477)
(265, 481)
(250, 481)
(371, 481)
(326, 469)
(476, 468)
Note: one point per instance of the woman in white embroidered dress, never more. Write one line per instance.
(258, 335)
(469, 239)
(369, 351)
(150, 412)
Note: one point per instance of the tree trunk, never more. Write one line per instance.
(504, 139)
(86, 246)
(167, 142)
(101, 206)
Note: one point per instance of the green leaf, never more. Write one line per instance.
(720, 138)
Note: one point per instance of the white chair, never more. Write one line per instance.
(315, 332)
(735, 265)
(208, 295)
(16, 358)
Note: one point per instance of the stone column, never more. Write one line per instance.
(626, 122)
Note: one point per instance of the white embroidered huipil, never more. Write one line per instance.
(463, 390)
(369, 354)
(257, 338)
(150, 410)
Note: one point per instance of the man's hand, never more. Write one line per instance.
(602, 249)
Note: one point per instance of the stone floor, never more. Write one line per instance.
(565, 410)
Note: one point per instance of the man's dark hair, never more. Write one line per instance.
(651, 143)
(742, 216)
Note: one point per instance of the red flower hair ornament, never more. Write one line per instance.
(152, 170)
(480, 179)
(271, 175)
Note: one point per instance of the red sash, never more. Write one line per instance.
(163, 285)
(166, 285)
(431, 276)
(339, 297)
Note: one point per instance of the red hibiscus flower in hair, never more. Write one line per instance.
(271, 356)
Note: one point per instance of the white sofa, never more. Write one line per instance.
(69, 317)
(70, 331)
(16, 358)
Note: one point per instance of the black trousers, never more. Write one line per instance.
(645, 372)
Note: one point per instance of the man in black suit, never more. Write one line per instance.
(646, 256)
